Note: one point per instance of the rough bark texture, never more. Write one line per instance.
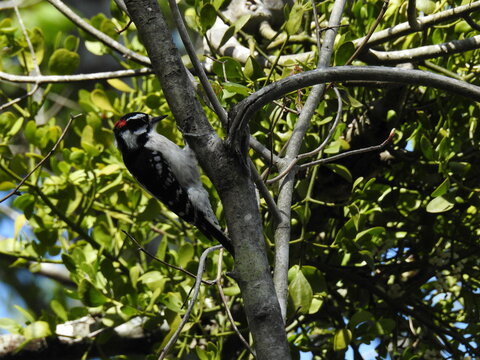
(229, 176)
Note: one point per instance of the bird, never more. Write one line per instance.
(168, 172)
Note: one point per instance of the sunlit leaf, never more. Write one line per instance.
(342, 339)
(300, 292)
(90, 295)
(63, 62)
(440, 204)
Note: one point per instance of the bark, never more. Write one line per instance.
(230, 177)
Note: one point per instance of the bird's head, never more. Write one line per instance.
(131, 129)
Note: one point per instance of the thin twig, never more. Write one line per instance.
(29, 42)
(20, 98)
(182, 30)
(471, 22)
(332, 130)
(320, 147)
(422, 52)
(36, 68)
(225, 302)
(350, 153)
(317, 25)
(245, 110)
(43, 79)
(367, 37)
(412, 15)
(142, 249)
(50, 153)
(425, 22)
(198, 282)
(264, 192)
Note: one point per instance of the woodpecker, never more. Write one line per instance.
(168, 172)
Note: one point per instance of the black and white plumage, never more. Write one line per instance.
(167, 172)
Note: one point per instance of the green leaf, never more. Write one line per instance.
(442, 188)
(69, 263)
(440, 204)
(294, 19)
(344, 52)
(153, 279)
(342, 339)
(252, 69)
(459, 168)
(228, 68)
(227, 35)
(36, 330)
(359, 317)
(153, 101)
(96, 47)
(90, 295)
(63, 62)
(427, 6)
(315, 305)
(236, 88)
(102, 235)
(173, 301)
(240, 23)
(300, 292)
(341, 170)
(59, 310)
(17, 125)
(185, 254)
(120, 85)
(208, 15)
(10, 325)
(100, 99)
(26, 203)
(232, 290)
(38, 43)
(6, 26)
(29, 316)
(71, 43)
(427, 148)
(191, 18)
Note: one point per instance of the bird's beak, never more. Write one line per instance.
(156, 119)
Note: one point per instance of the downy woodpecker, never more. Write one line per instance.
(167, 172)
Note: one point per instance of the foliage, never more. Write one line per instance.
(384, 248)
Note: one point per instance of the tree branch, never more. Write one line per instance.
(324, 143)
(196, 289)
(182, 30)
(49, 79)
(282, 230)
(422, 52)
(350, 153)
(412, 15)
(245, 110)
(424, 22)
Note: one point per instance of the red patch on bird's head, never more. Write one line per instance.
(120, 123)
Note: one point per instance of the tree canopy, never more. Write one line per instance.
(340, 147)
